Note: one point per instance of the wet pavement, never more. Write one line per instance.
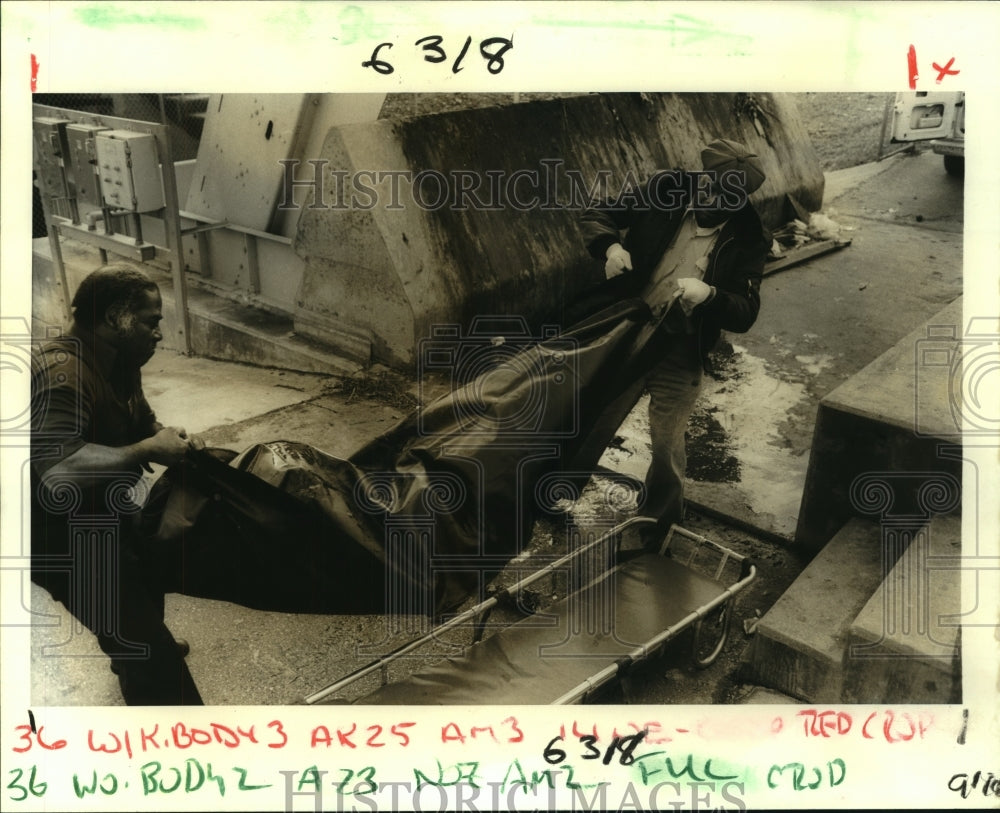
(820, 323)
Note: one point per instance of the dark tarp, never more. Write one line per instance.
(419, 519)
(275, 528)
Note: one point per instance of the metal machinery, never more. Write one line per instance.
(98, 175)
(134, 187)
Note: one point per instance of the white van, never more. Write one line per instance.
(940, 117)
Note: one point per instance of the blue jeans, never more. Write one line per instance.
(673, 390)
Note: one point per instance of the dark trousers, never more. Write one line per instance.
(102, 577)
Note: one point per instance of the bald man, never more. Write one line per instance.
(698, 232)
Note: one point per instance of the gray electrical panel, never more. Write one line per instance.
(51, 149)
(83, 158)
(129, 170)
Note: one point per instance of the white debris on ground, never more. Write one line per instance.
(798, 233)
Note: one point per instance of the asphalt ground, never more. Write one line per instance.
(821, 322)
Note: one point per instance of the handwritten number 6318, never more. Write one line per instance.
(491, 49)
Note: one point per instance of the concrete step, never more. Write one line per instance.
(904, 646)
(893, 421)
(800, 644)
(227, 330)
(221, 328)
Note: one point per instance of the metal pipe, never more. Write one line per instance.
(137, 222)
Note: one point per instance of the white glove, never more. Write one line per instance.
(693, 293)
(619, 261)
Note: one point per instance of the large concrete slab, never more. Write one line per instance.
(904, 646)
(800, 644)
(395, 257)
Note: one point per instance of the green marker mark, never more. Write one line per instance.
(109, 17)
(678, 24)
(292, 20)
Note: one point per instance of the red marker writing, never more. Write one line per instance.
(911, 60)
(945, 71)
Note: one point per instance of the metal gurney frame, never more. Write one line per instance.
(645, 572)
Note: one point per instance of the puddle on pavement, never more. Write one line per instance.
(735, 436)
(749, 404)
(710, 457)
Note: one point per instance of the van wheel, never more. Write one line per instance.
(955, 165)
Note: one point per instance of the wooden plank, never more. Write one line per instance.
(803, 253)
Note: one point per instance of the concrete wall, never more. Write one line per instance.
(377, 279)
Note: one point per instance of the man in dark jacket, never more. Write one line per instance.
(697, 233)
(92, 433)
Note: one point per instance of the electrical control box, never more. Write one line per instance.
(129, 170)
(50, 155)
(83, 160)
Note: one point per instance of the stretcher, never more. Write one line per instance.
(567, 652)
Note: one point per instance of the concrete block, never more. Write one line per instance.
(887, 441)
(800, 643)
(352, 343)
(357, 277)
(904, 646)
(473, 212)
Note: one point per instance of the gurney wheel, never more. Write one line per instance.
(710, 634)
